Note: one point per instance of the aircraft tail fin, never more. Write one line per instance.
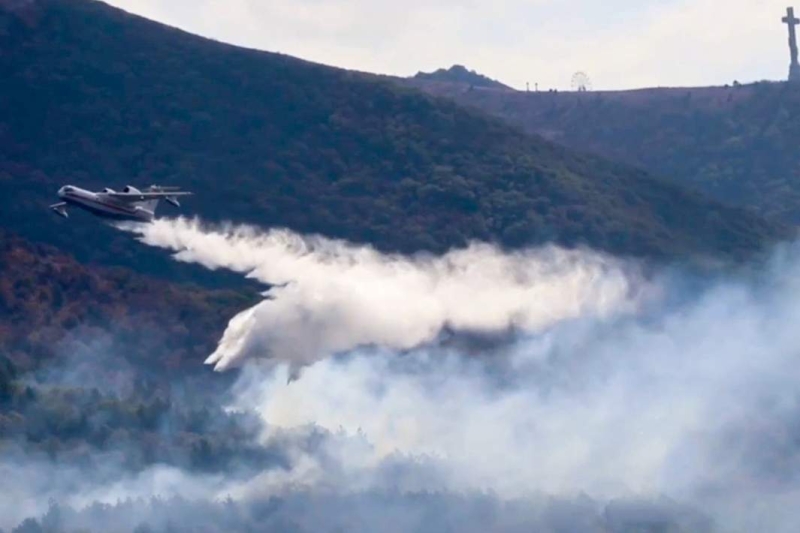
(149, 205)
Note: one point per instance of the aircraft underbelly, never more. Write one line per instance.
(111, 212)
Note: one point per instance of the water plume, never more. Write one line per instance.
(330, 296)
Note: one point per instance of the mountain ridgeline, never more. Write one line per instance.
(96, 97)
(737, 144)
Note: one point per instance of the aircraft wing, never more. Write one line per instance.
(141, 196)
(162, 188)
(60, 209)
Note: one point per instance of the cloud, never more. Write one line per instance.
(621, 44)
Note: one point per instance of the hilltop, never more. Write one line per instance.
(460, 74)
(97, 97)
(737, 144)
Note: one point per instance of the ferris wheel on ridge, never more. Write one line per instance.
(581, 82)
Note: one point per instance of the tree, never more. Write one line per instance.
(30, 525)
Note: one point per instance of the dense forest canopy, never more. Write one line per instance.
(46, 296)
(101, 368)
(737, 144)
(96, 97)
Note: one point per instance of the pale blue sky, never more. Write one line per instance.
(619, 43)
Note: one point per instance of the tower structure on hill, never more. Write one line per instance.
(794, 67)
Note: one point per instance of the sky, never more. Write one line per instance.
(618, 43)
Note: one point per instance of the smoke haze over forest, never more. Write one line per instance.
(632, 401)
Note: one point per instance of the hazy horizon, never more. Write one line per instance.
(620, 44)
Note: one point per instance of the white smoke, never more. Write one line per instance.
(697, 402)
(330, 296)
(73, 486)
(694, 398)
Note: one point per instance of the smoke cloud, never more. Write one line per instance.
(699, 404)
(329, 296)
(616, 404)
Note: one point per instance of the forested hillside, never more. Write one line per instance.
(98, 361)
(95, 97)
(737, 144)
(47, 298)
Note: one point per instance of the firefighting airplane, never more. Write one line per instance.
(130, 204)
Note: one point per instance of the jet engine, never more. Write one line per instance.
(130, 189)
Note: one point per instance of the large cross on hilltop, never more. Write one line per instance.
(792, 21)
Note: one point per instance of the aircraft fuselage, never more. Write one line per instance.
(103, 205)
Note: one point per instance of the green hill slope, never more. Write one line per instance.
(96, 97)
(737, 144)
